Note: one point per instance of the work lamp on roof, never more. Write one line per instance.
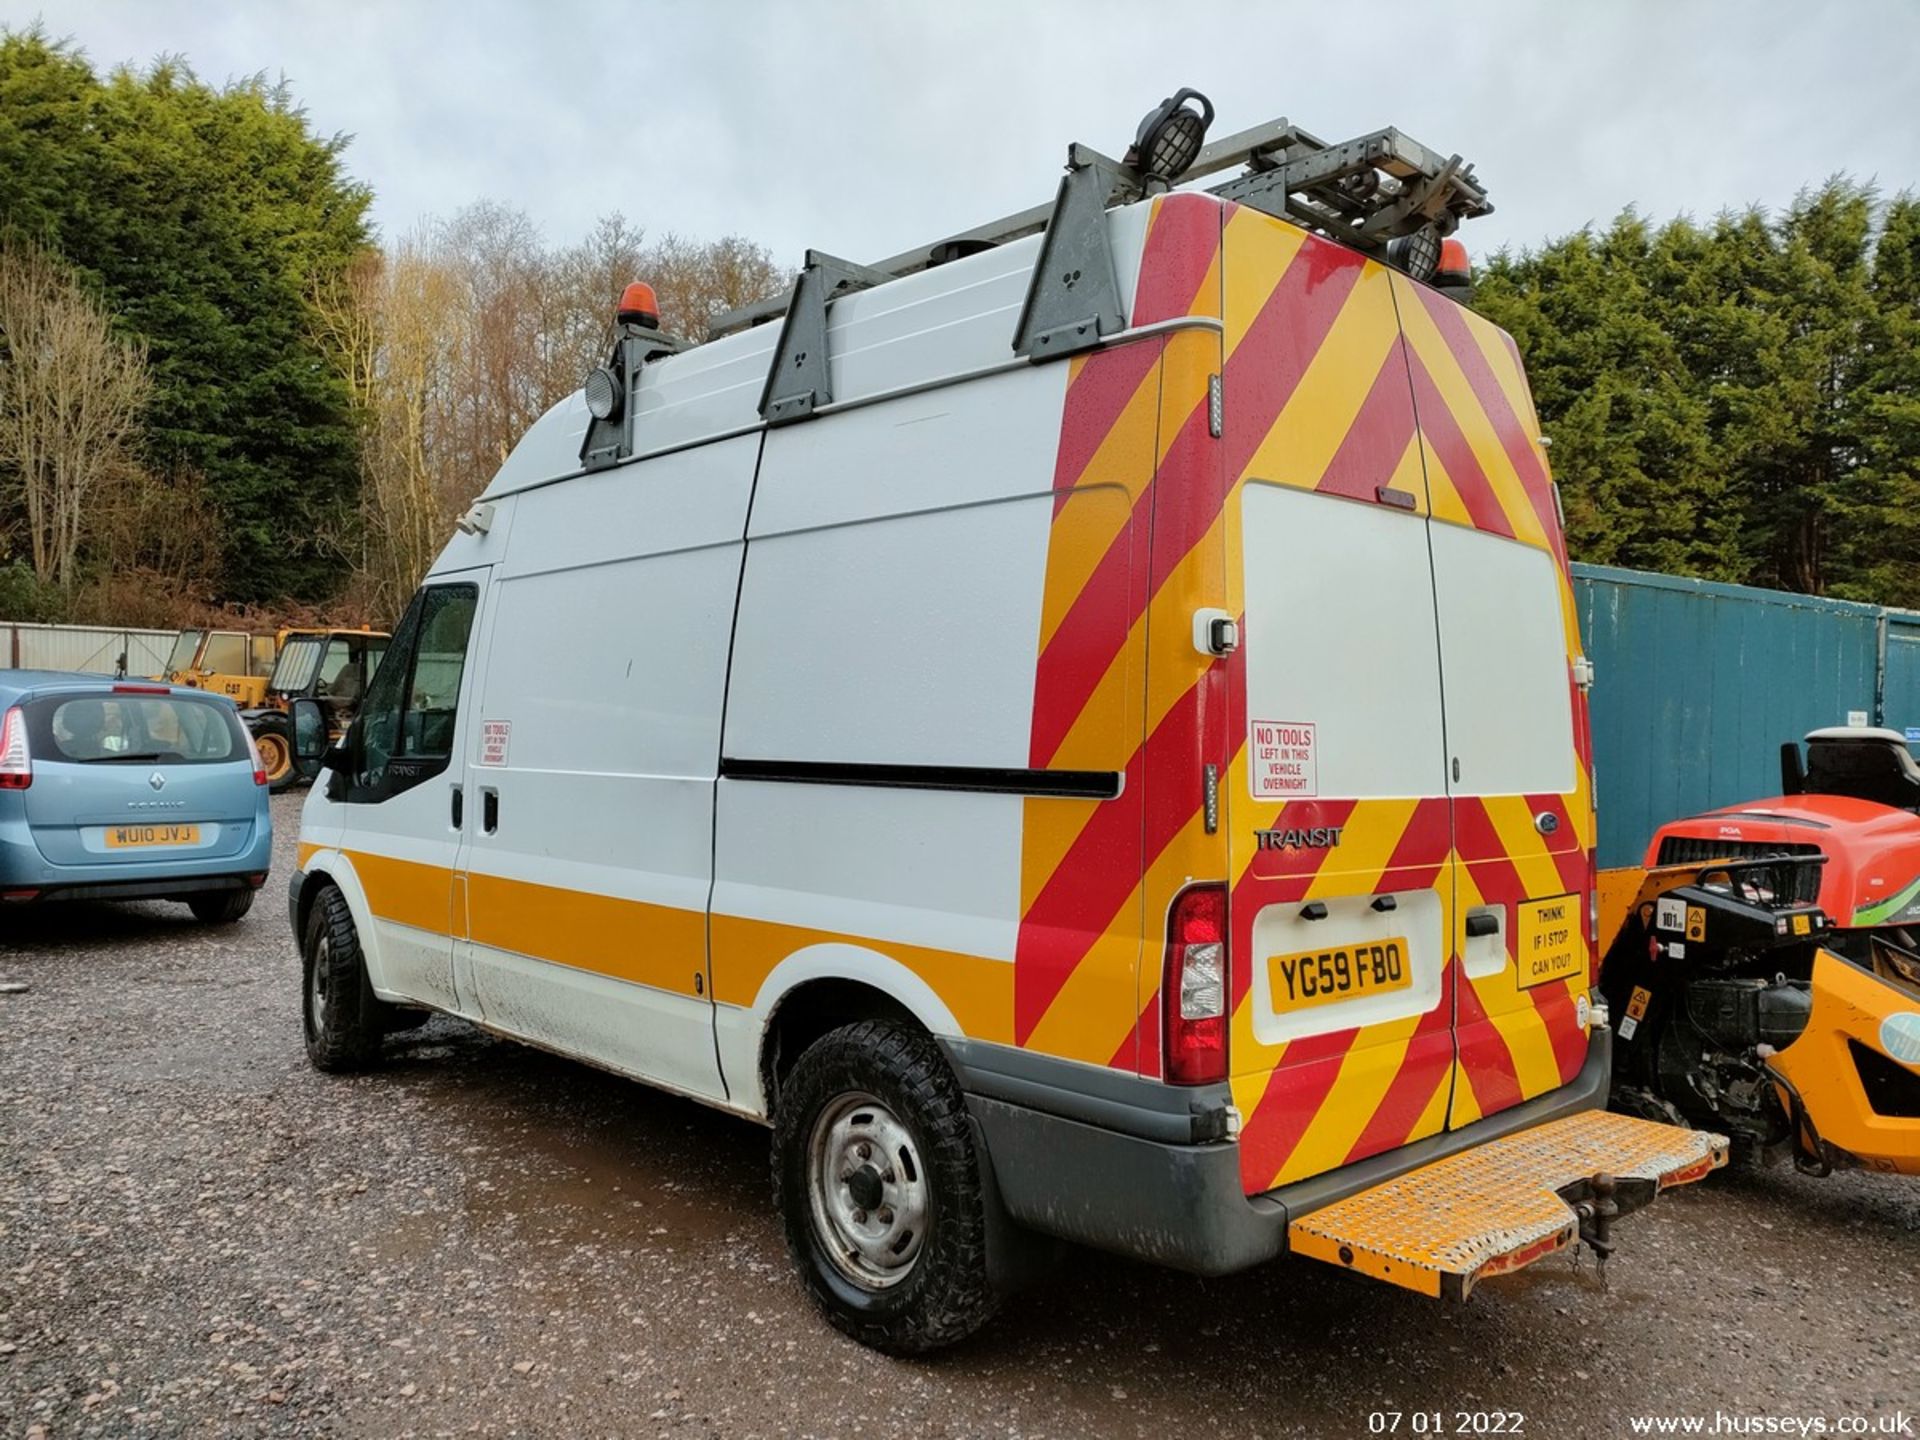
(603, 394)
(1169, 139)
(1417, 254)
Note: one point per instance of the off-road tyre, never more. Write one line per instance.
(274, 740)
(220, 907)
(343, 1019)
(946, 1295)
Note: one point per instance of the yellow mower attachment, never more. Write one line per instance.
(1853, 1072)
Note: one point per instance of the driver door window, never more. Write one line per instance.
(406, 729)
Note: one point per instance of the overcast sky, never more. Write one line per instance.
(865, 128)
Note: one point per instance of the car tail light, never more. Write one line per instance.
(16, 764)
(259, 765)
(1193, 994)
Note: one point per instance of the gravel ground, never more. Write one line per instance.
(201, 1236)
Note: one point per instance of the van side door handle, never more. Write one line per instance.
(459, 806)
(489, 810)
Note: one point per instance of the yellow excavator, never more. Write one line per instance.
(265, 674)
(331, 666)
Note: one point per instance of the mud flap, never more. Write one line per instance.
(1441, 1229)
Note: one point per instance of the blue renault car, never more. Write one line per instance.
(127, 790)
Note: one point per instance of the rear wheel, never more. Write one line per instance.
(274, 740)
(220, 907)
(344, 1020)
(879, 1187)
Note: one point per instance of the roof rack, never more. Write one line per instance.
(1383, 193)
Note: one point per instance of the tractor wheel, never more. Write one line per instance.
(274, 740)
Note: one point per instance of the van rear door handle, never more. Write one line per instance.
(1481, 925)
(459, 807)
(489, 810)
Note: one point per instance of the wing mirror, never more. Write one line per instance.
(313, 746)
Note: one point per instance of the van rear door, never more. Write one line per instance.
(1336, 803)
(1522, 809)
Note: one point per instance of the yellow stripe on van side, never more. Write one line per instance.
(977, 990)
(406, 892)
(661, 946)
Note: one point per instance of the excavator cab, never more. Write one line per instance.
(333, 667)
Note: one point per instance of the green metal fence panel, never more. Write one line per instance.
(1900, 671)
(1697, 684)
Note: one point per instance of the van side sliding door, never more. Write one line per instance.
(590, 832)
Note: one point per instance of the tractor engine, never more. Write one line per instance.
(1708, 979)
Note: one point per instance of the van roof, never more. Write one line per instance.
(918, 330)
(938, 313)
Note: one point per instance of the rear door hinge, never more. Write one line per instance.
(1583, 672)
(1216, 407)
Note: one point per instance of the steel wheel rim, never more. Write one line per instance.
(317, 988)
(868, 1191)
(275, 755)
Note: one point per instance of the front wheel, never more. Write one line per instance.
(343, 1019)
(878, 1184)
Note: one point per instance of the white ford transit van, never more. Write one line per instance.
(1080, 729)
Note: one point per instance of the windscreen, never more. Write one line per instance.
(147, 729)
(184, 647)
(294, 673)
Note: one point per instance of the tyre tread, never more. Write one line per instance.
(358, 1020)
(952, 1294)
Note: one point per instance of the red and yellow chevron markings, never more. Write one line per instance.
(1079, 945)
(1340, 378)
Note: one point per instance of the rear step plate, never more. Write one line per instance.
(1443, 1228)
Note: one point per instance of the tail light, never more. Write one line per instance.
(1193, 994)
(259, 765)
(16, 764)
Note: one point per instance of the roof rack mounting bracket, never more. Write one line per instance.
(1073, 298)
(800, 379)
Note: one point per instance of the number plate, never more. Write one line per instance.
(1551, 946)
(1339, 972)
(125, 837)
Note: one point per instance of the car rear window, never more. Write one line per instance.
(152, 729)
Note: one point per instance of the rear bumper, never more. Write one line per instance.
(1144, 1169)
(140, 889)
(23, 868)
